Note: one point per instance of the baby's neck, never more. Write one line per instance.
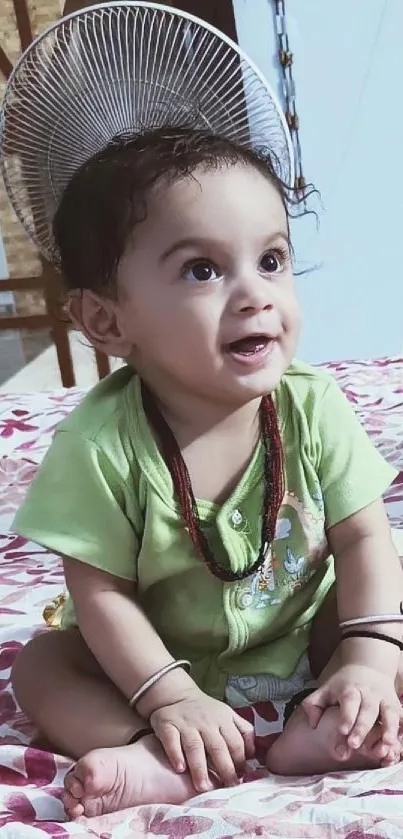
(217, 460)
(213, 421)
(216, 446)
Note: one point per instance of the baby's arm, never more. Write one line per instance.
(188, 723)
(119, 635)
(369, 582)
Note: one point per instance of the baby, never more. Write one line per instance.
(208, 499)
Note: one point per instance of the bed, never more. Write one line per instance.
(357, 805)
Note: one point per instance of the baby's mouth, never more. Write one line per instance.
(249, 346)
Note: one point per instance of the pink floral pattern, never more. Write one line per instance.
(359, 805)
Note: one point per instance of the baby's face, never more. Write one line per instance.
(205, 290)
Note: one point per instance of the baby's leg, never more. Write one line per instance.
(62, 689)
(301, 750)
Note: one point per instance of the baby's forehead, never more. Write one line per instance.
(230, 208)
(237, 187)
(211, 171)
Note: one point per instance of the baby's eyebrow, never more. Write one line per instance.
(180, 246)
(195, 242)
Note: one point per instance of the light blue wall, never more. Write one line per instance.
(348, 69)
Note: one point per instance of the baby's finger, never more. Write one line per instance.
(377, 752)
(342, 750)
(170, 739)
(390, 759)
(248, 734)
(316, 703)
(193, 747)
(236, 747)
(219, 754)
(312, 712)
(373, 747)
(389, 716)
(350, 703)
(366, 719)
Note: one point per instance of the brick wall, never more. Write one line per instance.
(21, 254)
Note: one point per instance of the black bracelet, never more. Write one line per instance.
(142, 732)
(379, 636)
(295, 702)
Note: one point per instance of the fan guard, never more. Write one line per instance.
(116, 69)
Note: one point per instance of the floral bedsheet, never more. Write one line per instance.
(357, 805)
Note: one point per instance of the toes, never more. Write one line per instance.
(392, 757)
(390, 760)
(73, 785)
(341, 751)
(374, 746)
(74, 791)
(86, 774)
(74, 809)
(379, 750)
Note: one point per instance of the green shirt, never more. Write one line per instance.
(104, 496)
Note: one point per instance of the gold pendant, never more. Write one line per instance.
(266, 575)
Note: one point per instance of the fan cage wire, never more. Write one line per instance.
(168, 67)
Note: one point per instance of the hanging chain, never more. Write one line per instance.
(286, 60)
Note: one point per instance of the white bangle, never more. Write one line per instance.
(149, 683)
(393, 618)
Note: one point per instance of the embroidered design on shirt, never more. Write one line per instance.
(294, 565)
(298, 549)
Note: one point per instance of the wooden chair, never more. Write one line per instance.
(48, 283)
(53, 319)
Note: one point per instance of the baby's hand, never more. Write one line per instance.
(365, 696)
(198, 728)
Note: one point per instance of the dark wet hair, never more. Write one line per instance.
(107, 196)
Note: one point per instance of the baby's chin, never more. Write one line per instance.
(254, 384)
(247, 390)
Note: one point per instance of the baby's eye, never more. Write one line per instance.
(201, 272)
(273, 262)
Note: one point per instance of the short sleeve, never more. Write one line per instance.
(78, 507)
(351, 471)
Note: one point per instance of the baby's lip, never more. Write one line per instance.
(264, 337)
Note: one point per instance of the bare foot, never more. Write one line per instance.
(301, 750)
(107, 780)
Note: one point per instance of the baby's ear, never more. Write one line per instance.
(96, 317)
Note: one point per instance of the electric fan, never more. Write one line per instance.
(116, 69)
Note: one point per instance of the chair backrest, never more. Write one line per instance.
(53, 319)
(46, 282)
